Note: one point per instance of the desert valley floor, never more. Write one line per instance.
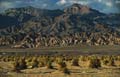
(82, 70)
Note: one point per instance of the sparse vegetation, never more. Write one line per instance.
(61, 63)
(41, 61)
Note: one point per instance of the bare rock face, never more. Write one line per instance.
(92, 39)
(77, 9)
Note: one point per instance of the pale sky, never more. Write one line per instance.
(106, 6)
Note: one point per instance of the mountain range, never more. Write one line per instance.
(29, 27)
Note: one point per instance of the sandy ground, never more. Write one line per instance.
(44, 72)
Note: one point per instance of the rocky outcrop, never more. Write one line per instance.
(81, 39)
(77, 9)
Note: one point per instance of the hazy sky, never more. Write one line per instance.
(106, 6)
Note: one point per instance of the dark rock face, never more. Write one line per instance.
(6, 21)
(30, 27)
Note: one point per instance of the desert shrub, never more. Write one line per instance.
(83, 58)
(62, 67)
(41, 64)
(65, 70)
(109, 60)
(45, 60)
(75, 62)
(34, 63)
(94, 63)
(22, 64)
(6, 59)
(49, 65)
(118, 58)
(29, 59)
(105, 61)
(16, 66)
(3, 59)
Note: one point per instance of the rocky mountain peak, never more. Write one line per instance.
(77, 9)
